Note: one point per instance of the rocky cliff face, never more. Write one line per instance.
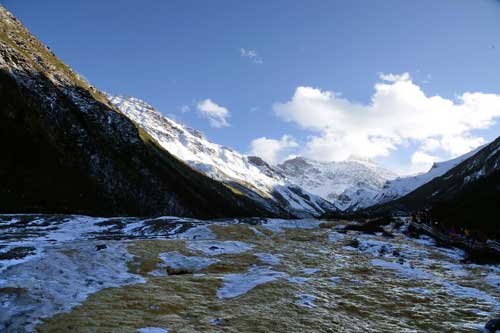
(66, 148)
(250, 175)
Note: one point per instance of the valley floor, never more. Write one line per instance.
(82, 274)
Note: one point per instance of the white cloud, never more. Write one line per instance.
(399, 113)
(252, 55)
(422, 161)
(217, 115)
(270, 150)
(184, 108)
(389, 77)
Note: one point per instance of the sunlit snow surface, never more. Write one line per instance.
(241, 275)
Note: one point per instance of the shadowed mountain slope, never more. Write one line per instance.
(65, 148)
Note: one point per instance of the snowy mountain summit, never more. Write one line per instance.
(349, 184)
(249, 175)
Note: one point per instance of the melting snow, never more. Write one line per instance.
(202, 232)
(62, 279)
(306, 300)
(334, 236)
(239, 284)
(453, 288)
(297, 279)
(213, 248)
(421, 291)
(153, 330)
(277, 225)
(335, 280)
(493, 280)
(179, 262)
(310, 271)
(268, 258)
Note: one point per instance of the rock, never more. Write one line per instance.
(493, 325)
(353, 243)
(383, 250)
(372, 226)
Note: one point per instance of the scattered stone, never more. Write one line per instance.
(100, 247)
(353, 243)
(372, 227)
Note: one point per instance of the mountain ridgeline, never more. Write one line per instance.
(65, 148)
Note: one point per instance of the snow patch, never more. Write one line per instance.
(61, 280)
(214, 248)
(179, 262)
(153, 330)
(306, 300)
(334, 236)
(277, 225)
(297, 279)
(493, 280)
(268, 258)
(335, 280)
(311, 271)
(239, 284)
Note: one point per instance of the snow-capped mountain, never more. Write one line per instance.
(349, 184)
(251, 175)
(401, 186)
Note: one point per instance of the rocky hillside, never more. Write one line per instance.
(466, 195)
(401, 186)
(250, 175)
(65, 148)
(349, 184)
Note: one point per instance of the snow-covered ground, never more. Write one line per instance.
(171, 273)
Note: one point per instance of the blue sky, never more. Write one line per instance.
(175, 54)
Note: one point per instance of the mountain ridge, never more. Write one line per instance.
(349, 184)
(251, 175)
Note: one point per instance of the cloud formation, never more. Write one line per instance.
(252, 55)
(217, 115)
(270, 150)
(399, 113)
